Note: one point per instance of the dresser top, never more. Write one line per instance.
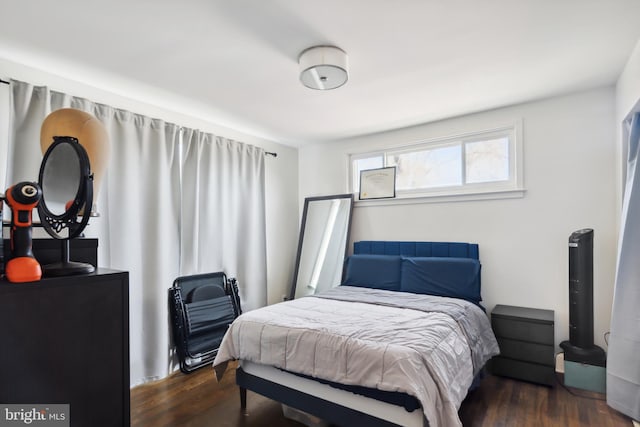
(85, 279)
(523, 313)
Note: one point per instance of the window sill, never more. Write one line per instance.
(440, 198)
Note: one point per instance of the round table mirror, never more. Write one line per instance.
(67, 194)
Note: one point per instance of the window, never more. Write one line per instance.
(364, 163)
(434, 167)
(483, 163)
(487, 161)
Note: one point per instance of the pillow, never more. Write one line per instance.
(446, 277)
(374, 271)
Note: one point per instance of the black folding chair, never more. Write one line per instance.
(202, 308)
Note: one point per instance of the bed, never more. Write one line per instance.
(400, 342)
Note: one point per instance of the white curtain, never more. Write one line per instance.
(155, 223)
(141, 231)
(623, 361)
(139, 207)
(29, 106)
(223, 212)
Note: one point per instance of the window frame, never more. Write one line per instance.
(511, 188)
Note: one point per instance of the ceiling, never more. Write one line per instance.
(234, 63)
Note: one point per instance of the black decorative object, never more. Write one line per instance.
(580, 347)
(67, 187)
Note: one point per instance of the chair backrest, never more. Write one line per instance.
(202, 306)
(205, 292)
(201, 286)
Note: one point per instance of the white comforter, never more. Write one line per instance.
(368, 337)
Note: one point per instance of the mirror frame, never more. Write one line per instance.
(307, 200)
(83, 199)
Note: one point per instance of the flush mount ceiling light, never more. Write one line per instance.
(323, 67)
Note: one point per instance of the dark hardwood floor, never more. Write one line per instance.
(197, 400)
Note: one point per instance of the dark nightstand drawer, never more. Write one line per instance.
(521, 330)
(526, 339)
(520, 370)
(526, 351)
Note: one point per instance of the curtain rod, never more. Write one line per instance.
(267, 153)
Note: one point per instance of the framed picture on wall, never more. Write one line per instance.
(378, 183)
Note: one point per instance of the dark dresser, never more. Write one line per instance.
(65, 340)
(526, 340)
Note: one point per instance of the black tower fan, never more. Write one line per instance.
(580, 347)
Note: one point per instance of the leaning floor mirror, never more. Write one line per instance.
(322, 246)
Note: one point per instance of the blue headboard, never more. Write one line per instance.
(420, 270)
(417, 249)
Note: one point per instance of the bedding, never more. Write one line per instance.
(427, 346)
(447, 277)
(373, 271)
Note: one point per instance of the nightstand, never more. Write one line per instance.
(526, 340)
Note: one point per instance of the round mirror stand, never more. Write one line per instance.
(67, 197)
(66, 267)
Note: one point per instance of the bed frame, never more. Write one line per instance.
(333, 405)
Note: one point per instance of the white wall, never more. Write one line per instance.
(281, 172)
(569, 176)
